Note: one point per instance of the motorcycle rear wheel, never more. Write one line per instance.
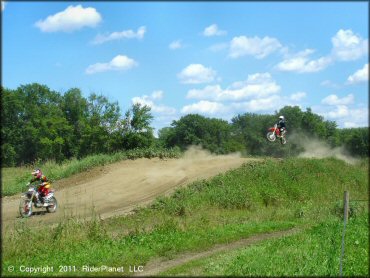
(24, 210)
(271, 136)
(53, 205)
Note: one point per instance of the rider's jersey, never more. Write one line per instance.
(42, 179)
(281, 124)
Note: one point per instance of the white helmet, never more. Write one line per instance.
(281, 117)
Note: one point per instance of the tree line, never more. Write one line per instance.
(247, 133)
(40, 124)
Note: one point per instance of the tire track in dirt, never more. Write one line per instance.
(159, 265)
(122, 186)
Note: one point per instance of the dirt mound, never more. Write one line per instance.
(118, 188)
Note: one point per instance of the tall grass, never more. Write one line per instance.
(16, 178)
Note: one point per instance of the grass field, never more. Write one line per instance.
(256, 198)
(315, 252)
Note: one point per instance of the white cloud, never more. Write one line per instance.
(339, 112)
(151, 102)
(357, 117)
(218, 47)
(256, 47)
(270, 103)
(346, 116)
(259, 93)
(118, 63)
(213, 30)
(204, 107)
(157, 95)
(127, 34)
(298, 96)
(175, 45)
(335, 100)
(257, 85)
(301, 63)
(350, 124)
(209, 92)
(362, 75)
(226, 110)
(196, 74)
(329, 84)
(71, 19)
(348, 46)
(3, 5)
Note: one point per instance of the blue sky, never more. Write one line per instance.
(217, 59)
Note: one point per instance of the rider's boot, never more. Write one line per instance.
(39, 199)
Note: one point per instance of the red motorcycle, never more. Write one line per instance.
(274, 132)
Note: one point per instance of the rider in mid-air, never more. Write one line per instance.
(44, 186)
(281, 125)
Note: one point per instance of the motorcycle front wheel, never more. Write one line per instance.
(271, 136)
(25, 209)
(53, 205)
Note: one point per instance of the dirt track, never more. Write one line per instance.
(120, 187)
(159, 265)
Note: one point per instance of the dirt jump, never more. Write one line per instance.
(118, 188)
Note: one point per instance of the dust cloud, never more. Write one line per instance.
(198, 153)
(315, 148)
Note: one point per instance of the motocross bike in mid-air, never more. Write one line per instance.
(274, 132)
(31, 199)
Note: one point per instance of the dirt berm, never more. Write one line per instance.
(118, 188)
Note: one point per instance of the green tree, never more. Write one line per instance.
(193, 129)
(11, 126)
(138, 132)
(101, 121)
(75, 109)
(37, 116)
(356, 140)
(313, 124)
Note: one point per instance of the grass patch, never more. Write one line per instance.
(81, 244)
(315, 252)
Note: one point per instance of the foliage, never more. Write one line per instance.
(356, 140)
(39, 124)
(213, 134)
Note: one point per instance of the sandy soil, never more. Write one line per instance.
(119, 188)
